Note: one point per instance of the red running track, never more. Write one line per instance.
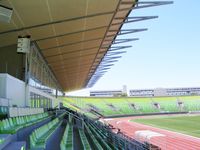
(170, 140)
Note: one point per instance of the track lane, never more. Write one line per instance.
(171, 140)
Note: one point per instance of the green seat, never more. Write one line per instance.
(93, 138)
(67, 139)
(40, 136)
(3, 109)
(2, 140)
(12, 125)
(84, 140)
(100, 136)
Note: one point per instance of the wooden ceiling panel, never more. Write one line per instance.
(125, 6)
(69, 26)
(56, 58)
(103, 20)
(52, 42)
(48, 43)
(80, 51)
(79, 59)
(70, 51)
(41, 32)
(115, 27)
(70, 48)
(70, 33)
(80, 54)
(117, 21)
(67, 8)
(71, 39)
(122, 13)
(71, 56)
(8, 39)
(68, 66)
(47, 53)
(7, 26)
(99, 33)
(31, 12)
(106, 43)
(109, 38)
(111, 32)
(97, 6)
(83, 45)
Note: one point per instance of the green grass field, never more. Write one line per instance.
(144, 105)
(184, 124)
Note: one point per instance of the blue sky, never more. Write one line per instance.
(167, 55)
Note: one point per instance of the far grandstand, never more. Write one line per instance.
(108, 106)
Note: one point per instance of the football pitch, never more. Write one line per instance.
(189, 125)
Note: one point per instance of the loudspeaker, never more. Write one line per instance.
(5, 14)
(23, 44)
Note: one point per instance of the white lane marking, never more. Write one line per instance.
(108, 119)
(118, 122)
(147, 134)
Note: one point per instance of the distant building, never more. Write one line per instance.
(164, 92)
(141, 93)
(112, 93)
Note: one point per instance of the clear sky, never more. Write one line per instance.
(167, 55)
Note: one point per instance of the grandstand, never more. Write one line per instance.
(51, 47)
(135, 106)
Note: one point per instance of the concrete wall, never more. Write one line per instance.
(3, 86)
(16, 92)
(14, 111)
(12, 89)
(4, 102)
(11, 62)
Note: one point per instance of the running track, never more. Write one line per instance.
(171, 140)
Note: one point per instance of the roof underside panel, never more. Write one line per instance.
(69, 33)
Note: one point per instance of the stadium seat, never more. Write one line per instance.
(84, 141)
(39, 137)
(12, 125)
(3, 109)
(2, 140)
(100, 137)
(67, 139)
(93, 139)
(61, 116)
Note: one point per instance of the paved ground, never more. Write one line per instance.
(170, 140)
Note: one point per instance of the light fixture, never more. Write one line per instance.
(5, 14)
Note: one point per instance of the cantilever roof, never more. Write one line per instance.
(69, 33)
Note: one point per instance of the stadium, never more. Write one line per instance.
(51, 47)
